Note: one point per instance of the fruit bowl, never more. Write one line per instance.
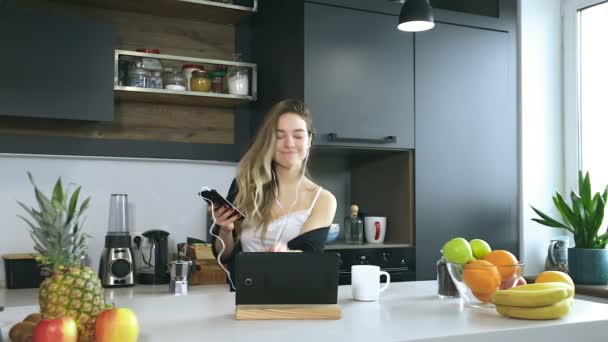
(477, 280)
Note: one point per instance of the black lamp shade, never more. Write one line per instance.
(415, 16)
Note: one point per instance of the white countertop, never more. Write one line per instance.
(406, 311)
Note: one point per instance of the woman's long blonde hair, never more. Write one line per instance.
(256, 186)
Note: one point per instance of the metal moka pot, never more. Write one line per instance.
(179, 270)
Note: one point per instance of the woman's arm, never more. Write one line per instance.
(314, 231)
(322, 214)
(225, 227)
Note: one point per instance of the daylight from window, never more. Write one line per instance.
(594, 92)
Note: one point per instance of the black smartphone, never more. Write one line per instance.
(219, 200)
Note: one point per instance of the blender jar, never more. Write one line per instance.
(118, 223)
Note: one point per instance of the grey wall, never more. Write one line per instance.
(162, 194)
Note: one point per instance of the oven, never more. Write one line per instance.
(399, 262)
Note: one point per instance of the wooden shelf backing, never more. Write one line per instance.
(205, 10)
(134, 94)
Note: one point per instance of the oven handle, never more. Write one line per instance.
(388, 269)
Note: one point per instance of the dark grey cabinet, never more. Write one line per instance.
(358, 77)
(56, 67)
(467, 162)
(379, 6)
(353, 68)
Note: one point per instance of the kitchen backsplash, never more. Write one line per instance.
(162, 195)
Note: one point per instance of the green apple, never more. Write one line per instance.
(458, 251)
(480, 248)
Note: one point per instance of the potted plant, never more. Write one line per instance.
(588, 260)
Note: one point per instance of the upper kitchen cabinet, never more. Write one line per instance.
(56, 67)
(353, 68)
(493, 14)
(467, 159)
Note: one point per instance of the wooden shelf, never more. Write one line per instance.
(135, 94)
(366, 245)
(205, 10)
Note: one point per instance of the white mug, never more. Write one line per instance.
(365, 282)
(375, 229)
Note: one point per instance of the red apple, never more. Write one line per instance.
(56, 330)
(118, 324)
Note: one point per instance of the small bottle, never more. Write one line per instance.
(445, 284)
(353, 227)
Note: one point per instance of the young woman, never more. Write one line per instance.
(285, 211)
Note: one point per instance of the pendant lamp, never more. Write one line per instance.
(416, 16)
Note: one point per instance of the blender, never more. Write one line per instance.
(116, 263)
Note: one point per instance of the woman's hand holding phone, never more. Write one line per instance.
(225, 217)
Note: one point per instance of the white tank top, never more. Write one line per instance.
(282, 229)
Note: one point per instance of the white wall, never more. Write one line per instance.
(540, 48)
(162, 193)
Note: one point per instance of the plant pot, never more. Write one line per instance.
(588, 266)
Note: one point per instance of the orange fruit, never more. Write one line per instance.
(505, 261)
(482, 278)
(550, 276)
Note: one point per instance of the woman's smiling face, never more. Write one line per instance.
(292, 141)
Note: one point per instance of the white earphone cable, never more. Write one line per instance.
(209, 202)
(219, 254)
(276, 197)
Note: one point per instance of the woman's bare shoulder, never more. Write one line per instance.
(326, 198)
(325, 195)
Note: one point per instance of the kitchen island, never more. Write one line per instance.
(408, 311)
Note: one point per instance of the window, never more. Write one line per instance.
(586, 91)
(593, 91)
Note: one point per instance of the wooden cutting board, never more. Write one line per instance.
(288, 312)
(592, 290)
(583, 289)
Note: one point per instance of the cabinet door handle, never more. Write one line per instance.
(333, 137)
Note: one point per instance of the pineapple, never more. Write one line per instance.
(71, 289)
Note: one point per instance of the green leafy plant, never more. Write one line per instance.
(56, 228)
(583, 218)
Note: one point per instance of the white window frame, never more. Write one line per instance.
(571, 82)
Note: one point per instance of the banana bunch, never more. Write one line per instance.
(550, 300)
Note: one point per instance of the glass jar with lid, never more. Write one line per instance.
(156, 80)
(445, 284)
(199, 81)
(188, 69)
(151, 63)
(238, 80)
(218, 83)
(138, 76)
(174, 80)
